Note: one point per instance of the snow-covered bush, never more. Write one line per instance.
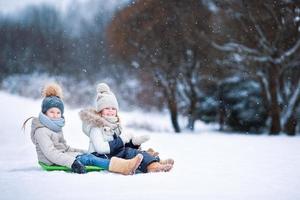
(207, 109)
(244, 106)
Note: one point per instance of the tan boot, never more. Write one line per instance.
(152, 152)
(157, 167)
(167, 161)
(125, 167)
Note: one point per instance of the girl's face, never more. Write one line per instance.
(109, 112)
(53, 113)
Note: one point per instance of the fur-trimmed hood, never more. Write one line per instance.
(90, 118)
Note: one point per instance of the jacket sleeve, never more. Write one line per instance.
(49, 150)
(103, 147)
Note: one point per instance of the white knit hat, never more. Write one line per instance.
(105, 98)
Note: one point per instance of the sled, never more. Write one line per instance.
(67, 169)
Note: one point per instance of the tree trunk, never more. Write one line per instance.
(192, 112)
(275, 127)
(221, 113)
(291, 125)
(221, 108)
(169, 92)
(191, 123)
(264, 93)
(172, 104)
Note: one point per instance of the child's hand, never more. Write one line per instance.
(78, 167)
(126, 137)
(139, 139)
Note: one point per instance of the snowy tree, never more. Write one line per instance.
(166, 39)
(32, 41)
(262, 39)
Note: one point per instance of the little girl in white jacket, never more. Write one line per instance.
(102, 126)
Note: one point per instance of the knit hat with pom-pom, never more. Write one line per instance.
(105, 98)
(52, 94)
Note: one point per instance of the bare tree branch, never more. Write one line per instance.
(288, 53)
(263, 41)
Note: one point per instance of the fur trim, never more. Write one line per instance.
(91, 117)
(52, 89)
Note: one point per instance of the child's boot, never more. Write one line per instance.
(152, 152)
(157, 167)
(125, 167)
(167, 161)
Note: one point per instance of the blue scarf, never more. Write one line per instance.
(53, 124)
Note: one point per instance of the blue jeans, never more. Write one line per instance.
(90, 159)
(128, 153)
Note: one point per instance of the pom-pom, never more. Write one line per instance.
(102, 87)
(52, 89)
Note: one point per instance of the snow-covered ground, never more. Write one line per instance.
(209, 165)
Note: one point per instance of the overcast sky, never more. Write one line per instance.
(12, 6)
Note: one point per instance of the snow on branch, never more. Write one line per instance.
(235, 47)
(288, 53)
(254, 54)
(260, 58)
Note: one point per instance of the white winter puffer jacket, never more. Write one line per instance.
(99, 130)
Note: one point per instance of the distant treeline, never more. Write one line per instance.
(236, 62)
